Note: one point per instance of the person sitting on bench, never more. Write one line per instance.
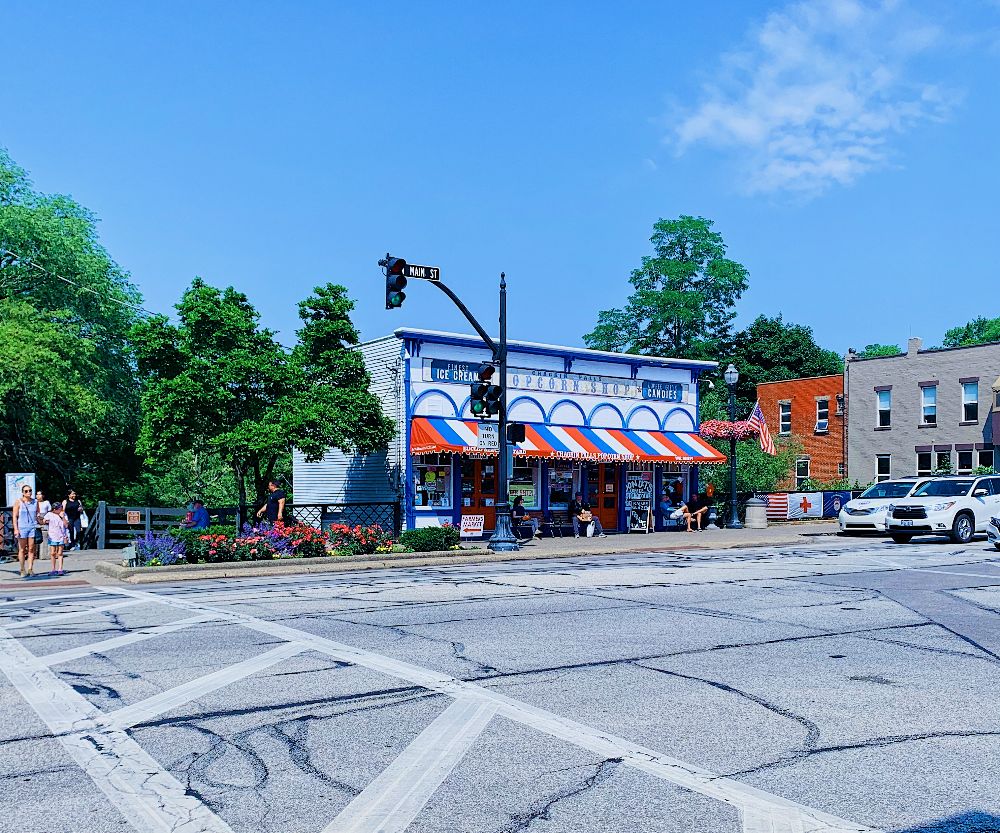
(521, 517)
(586, 517)
(695, 510)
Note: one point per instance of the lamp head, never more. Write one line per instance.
(732, 375)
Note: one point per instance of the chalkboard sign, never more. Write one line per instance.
(639, 500)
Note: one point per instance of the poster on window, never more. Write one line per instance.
(639, 500)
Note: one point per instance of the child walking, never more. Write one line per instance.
(58, 536)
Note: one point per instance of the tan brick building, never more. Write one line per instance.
(811, 411)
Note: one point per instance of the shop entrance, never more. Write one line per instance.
(479, 490)
(602, 492)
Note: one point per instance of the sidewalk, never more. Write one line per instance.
(82, 567)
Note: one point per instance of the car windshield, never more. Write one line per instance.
(944, 488)
(888, 489)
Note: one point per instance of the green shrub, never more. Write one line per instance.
(430, 538)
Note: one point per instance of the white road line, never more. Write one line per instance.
(689, 776)
(32, 600)
(121, 641)
(156, 705)
(148, 796)
(34, 621)
(391, 802)
(755, 821)
(995, 576)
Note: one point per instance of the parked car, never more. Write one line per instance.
(958, 507)
(867, 513)
(993, 531)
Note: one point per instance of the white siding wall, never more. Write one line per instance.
(375, 477)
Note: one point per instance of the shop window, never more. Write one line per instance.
(784, 417)
(943, 462)
(524, 483)
(432, 481)
(801, 472)
(822, 416)
(964, 462)
(560, 485)
(928, 405)
(924, 464)
(468, 482)
(986, 458)
(884, 408)
(883, 467)
(970, 402)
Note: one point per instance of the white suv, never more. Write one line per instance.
(958, 507)
(869, 510)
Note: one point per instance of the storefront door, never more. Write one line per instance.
(602, 492)
(479, 490)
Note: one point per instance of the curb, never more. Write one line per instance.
(357, 563)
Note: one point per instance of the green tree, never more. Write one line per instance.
(978, 331)
(771, 350)
(683, 296)
(68, 393)
(755, 470)
(873, 350)
(218, 383)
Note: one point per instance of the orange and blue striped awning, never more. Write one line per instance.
(429, 435)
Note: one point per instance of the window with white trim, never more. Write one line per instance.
(986, 458)
(964, 462)
(841, 469)
(924, 463)
(884, 409)
(883, 467)
(801, 471)
(970, 401)
(928, 405)
(784, 417)
(822, 416)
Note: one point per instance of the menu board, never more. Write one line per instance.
(639, 500)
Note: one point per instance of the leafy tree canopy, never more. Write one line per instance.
(683, 296)
(873, 350)
(68, 396)
(755, 470)
(219, 384)
(978, 331)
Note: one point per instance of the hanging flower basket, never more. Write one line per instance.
(720, 429)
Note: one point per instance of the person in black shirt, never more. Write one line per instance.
(74, 509)
(575, 508)
(275, 506)
(521, 517)
(695, 510)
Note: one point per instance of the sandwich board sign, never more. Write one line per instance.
(639, 500)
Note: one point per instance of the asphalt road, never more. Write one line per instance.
(829, 688)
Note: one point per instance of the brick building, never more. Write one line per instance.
(811, 411)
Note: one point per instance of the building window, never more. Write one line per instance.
(970, 401)
(524, 483)
(784, 417)
(986, 458)
(928, 405)
(561, 485)
(822, 416)
(884, 408)
(841, 469)
(801, 472)
(883, 465)
(924, 464)
(943, 462)
(964, 462)
(432, 481)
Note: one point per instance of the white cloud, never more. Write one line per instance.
(818, 92)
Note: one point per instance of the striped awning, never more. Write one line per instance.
(429, 435)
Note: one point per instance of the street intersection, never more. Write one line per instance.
(845, 686)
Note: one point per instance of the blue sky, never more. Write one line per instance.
(847, 151)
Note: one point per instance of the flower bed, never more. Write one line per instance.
(263, 542)
(720, 429)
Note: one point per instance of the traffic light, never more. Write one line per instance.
(395, 282)
(515, 432)
(484, 397)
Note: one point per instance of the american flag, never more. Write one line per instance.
(757, 421)
(777, 506)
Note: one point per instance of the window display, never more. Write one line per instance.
(432, 481)
(560, 485)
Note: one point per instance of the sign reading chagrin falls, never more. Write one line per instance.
(439, 370)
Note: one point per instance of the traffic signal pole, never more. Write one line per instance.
(503, 538)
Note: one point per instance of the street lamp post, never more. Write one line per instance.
(732, 376)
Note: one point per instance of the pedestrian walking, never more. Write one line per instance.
(274, 508)
(57, 537)
(25, 511)
(74, 513)
(41, 540)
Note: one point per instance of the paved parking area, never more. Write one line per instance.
(823, 688)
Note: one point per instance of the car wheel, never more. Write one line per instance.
(901, 538)
(962, 529)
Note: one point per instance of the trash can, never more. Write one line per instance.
(756, 514)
